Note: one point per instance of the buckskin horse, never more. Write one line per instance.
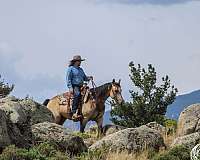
(92, 109)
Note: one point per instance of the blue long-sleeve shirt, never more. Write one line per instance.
(75, 76)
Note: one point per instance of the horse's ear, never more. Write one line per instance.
(113, 81)
(119, 81)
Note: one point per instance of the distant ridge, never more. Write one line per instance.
(181, 102)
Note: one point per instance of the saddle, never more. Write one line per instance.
(66, 99)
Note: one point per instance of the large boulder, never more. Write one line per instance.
(65, 140)
(20, 109)
(4, 136)
(189, 140)
(15, 112)
(38, 112)
(17, 116)
(17, 122)
(189, 120)
(131, 140)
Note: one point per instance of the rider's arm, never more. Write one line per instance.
(69, 78)
(85, 78)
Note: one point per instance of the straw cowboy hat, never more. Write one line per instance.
(77, 58)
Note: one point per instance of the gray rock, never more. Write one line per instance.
(68, 142)
(15, 112)
(17, 118)
(189, 140)
(154, 125)
(38, 113)
(15, 129)
(131, 140)
(110, 129)
(189, 120)
(4, 136)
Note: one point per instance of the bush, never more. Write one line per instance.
(5, 89)
(98, 154)
(42, 151)
(149, 101)
(82, 135)
(176, 153)
(171, 125)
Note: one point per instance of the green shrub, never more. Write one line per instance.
(82, 135)
(42, 151)
(176, 153)
(98, 154)
(171, 125)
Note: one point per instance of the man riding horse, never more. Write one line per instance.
(75, 79)
(92, 107)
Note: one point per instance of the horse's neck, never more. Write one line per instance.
(105, 96)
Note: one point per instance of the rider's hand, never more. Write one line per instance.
(90, 78)
(71, 91)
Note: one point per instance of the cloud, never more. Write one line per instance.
(38, 86)
(46, 34)
(138, 2)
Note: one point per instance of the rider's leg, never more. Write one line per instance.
(76, 98)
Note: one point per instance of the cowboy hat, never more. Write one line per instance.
(77, 58)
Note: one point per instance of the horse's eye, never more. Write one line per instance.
(116, 91)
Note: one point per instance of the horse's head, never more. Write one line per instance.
(116, 92)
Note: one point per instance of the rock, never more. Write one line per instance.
(110, 129)
(189, 140)
(131, 140)
(14, 130)
(19, 110)
(154, 125)
(9, 98)
(39, 113)
(15, 112)
(4, 136)
(68, 142)
(189, 120)
(17, 118)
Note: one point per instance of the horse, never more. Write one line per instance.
(93, 109)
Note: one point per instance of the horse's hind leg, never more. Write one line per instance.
(57, 119)
(100, 126)
(62, 120)
(82, 125)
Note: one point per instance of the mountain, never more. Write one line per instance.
(181, 102)
(174, 110)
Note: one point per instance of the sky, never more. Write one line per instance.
(39, 37)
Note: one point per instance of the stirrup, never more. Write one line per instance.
(76, 117)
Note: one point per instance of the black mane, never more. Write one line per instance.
(101, 90)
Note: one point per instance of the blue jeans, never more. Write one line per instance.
(76, 99)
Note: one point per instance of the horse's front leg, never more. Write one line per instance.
(83, 123)
(100, 128)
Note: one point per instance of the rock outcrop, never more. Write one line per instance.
(154, 125)
(21, 109)
(131, 140)
(189, 140)
(16, 122)
(65, 140)
(4, 136)
(189, 120)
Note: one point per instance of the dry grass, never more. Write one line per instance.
(168, 139)
(126, 156)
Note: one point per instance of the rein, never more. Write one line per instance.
(94, 86)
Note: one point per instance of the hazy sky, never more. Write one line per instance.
(39, 37)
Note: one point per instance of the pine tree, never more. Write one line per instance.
(149, 103)
(5, 89)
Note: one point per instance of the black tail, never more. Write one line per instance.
(46, 102)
